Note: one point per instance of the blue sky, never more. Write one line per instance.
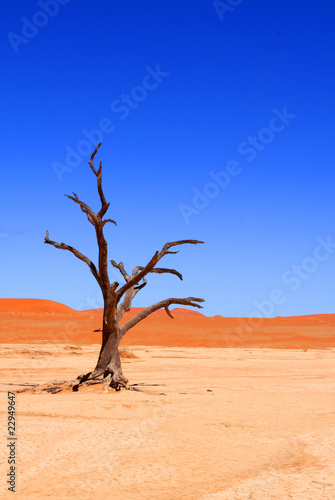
(217, 122)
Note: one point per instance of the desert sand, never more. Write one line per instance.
(44, 321)
(212, 423)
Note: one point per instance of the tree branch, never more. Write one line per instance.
(121, 268)
(104, 204)
(126, 304)
(139, 287)
(95, 219)
(168, 312)
(105, 222)
(79, 255)
(136, 277)
(189, 301)
(161, 270)
(85, 208)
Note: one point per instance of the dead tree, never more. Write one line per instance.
(117, 299)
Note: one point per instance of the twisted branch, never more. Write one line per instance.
(130, 294)
(78, 254)
(105, 222)
(189, 301)
(161, 270)
(104, 203)
(138, 276)
(85, 208)
(95, 219)
(121, 268)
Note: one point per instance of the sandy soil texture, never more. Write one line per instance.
(211, 424)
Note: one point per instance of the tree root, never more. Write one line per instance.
(115, 380)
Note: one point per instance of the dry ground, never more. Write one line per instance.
(232, 424)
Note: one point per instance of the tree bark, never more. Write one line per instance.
(109, 363)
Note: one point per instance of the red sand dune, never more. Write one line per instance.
(34, 321)
(33, 306)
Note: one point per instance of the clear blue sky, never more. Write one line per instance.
(217, 125)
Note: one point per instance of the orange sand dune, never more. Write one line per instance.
(35, 306)
(32, 320)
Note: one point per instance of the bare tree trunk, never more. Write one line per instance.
(110, 339)
(109, 363)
